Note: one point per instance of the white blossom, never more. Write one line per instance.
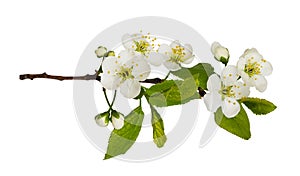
(124, 74)
(253, 68)
(225, 92)
(140, 45)
(175, 54)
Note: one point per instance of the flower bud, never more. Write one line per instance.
(102, 119)
(110, 53)
(100, 51)
(117, 119)
(220, 53)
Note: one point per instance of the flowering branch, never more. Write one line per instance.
(60, 78)
(86, 77)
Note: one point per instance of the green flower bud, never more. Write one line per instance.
(102, 119)
(110, 53)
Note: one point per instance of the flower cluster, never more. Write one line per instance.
(133, 64)
(225, 90)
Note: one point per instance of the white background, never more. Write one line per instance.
(39, 134)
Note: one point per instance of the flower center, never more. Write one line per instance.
(177, 54)
(226, 91)
(252, 68)
(125, 73)
(142, 46)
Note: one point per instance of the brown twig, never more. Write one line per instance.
(60, 78)
(85, 77)
(88, 77)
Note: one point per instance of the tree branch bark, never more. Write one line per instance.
(88, 77)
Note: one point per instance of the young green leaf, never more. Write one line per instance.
(159, 137)
(238, 125)
(121, 140)
(172, 92)
(199, 72)
(258, 106)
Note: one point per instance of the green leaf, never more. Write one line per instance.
(159, 137)
(238, 125)
(258, 106)
(199, 72)
(121, 140)
(172, 92)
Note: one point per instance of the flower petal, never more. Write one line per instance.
(110, 65)
(229, 75)
(165, 50)
(188, 50)
(110, 82)
(127, 41)
(175, 44)
(241, 64)
(140, 68)
(126, 55)
(214, 83)
(240, 90)
(266, 68)
(230, 107)
(245, 77)
(172, 66)
(130, 88)
(212, 101)
(214, 45)
(189, 60)
(260, 82)
(155, 58)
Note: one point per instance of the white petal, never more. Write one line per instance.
(126, 55)
(118, 123)
(188, 61)
(110, 82)
(188, 50)
(252, 53)
(245, 77)
(266, 68)
(175, 44)
(240, 90)
(241, 64)
(172, 66)
(260, 83)
(130, 88)
(127, 41)
(212, 101)
(165, 50)
(214, 45)
(155, 58)
(140, 68)
(214, 83)
(230, 107)
(110, 65)
(229, 75)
